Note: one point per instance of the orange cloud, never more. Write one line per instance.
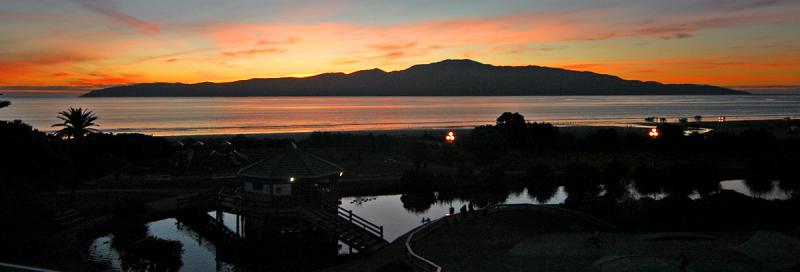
(97, 80)
(597, 38)
(580, 66)
(252, 52)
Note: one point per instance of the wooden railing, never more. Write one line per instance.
(220, 226)
(361, 222)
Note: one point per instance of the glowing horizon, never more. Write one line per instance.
(77, 45)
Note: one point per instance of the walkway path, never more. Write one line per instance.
(538, 240)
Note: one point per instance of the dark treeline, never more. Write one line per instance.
(601, 170)
(37, 166)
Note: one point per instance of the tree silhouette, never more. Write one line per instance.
(646, 180)
(77, 123)
(512, 126)
(4, 103)
(420, 154)
(487, 144)
(541, 185)
(512, 120)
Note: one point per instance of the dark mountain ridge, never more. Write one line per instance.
(444, 78)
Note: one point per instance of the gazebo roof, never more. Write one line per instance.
(291, 163)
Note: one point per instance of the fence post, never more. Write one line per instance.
(350, 215)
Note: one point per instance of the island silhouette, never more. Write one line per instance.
(445, 78)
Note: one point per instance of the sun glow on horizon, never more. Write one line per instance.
(92, 44)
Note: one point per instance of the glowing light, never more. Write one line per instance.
(291, 179)
(653, 133)
(341, 174)
(450, 137)
(721, 119)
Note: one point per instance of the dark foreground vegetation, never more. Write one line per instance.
(40, 176)
(618, 174)
(621, 175)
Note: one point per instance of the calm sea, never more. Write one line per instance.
(194, 116)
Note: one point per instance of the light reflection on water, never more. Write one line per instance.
(198, 254)
(165, 116)
(388, 211)
(740, 186)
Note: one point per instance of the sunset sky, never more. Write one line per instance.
(76, 45)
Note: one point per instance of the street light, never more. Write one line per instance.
(450, 137)
(653, 133)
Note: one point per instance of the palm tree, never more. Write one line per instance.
(77, 123)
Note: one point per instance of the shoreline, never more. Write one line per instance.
(732, 122)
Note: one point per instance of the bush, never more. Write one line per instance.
(418, 181)
(486, 144)
(152, 254)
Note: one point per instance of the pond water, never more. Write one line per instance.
(198, 254)
(770, 192)
(386, 210)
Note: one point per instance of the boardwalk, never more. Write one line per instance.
(343, 224)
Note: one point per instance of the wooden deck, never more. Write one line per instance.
(349, 228)
(355, 231)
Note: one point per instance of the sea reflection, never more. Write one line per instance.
(241, 115)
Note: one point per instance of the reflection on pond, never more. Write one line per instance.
(759, 188)
(390, 210)
(152, 254)
(197, 254)
(174, 246)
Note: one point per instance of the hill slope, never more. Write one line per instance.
(444, 78)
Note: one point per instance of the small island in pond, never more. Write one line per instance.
(444, 78)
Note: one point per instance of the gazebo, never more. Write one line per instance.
(293, 178)
(296, 192)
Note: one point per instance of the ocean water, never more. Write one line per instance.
(245, 115)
